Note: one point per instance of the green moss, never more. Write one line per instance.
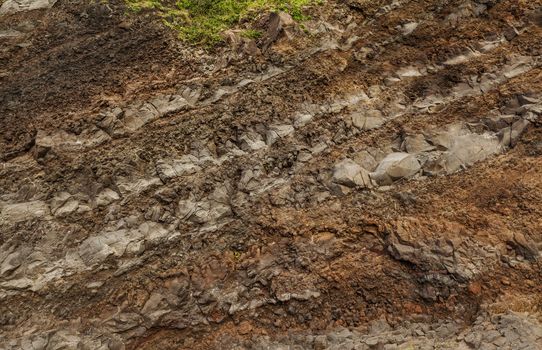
(202, 21)
(252, 34)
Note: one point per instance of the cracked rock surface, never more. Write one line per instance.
(370, 180)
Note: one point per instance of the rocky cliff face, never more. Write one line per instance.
(370, 180)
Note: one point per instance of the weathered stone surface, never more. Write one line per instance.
(96, 249)
(68, 207)
(278, 131)
(136, 116)
(251, 141)
(278, 25)
(395, 166)
(510, 134)
(167, 104)
(417, 144)
(464, 150)
(349, 173)
(168, 169)
(62, 140)
(13, 6)
(408, 28)
(148, 244)
(367, 120)
(366, 160)
(13, 213)
(409, 72)
(128, 186)
(302, 119)
(106, 197)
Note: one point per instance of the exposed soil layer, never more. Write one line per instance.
(370, 179)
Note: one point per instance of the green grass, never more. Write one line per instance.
(202, 21)
(251, 34)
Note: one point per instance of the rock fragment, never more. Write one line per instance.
(13, 6)
(395, 166)
(106, 197)
(367, 120)
(350, 174)
(13, 213)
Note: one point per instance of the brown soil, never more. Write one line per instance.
(300, 257)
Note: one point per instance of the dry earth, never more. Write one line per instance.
(372, 180)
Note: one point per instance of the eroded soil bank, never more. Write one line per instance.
(370, 179)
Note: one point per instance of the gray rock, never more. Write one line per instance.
(366, 160)
(186, 208)
(373, 341)
(59, 199)
(168, 104)
(350, 174)
(155, 307)
(190, 95)
(302, 119)
(278, 131)
(62, 140)
(367, 120)
(395, 166)
(215, 207)
(279, 24)
(127, 186)
(251, 141)
(12, 259)
(13, 6)
(511, 134)
(138, 115)
(208, 212)
(491, 336)
(67, 208)
(12, 213)
(186, 165)
(106, 197)
(96, 249)
(462, 148)
(417, 144)
(10, 33)
(379, 326)
(473, 339)
(520, 65)
(409, 72)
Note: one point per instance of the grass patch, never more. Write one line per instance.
(202, 21)
(251, 34)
